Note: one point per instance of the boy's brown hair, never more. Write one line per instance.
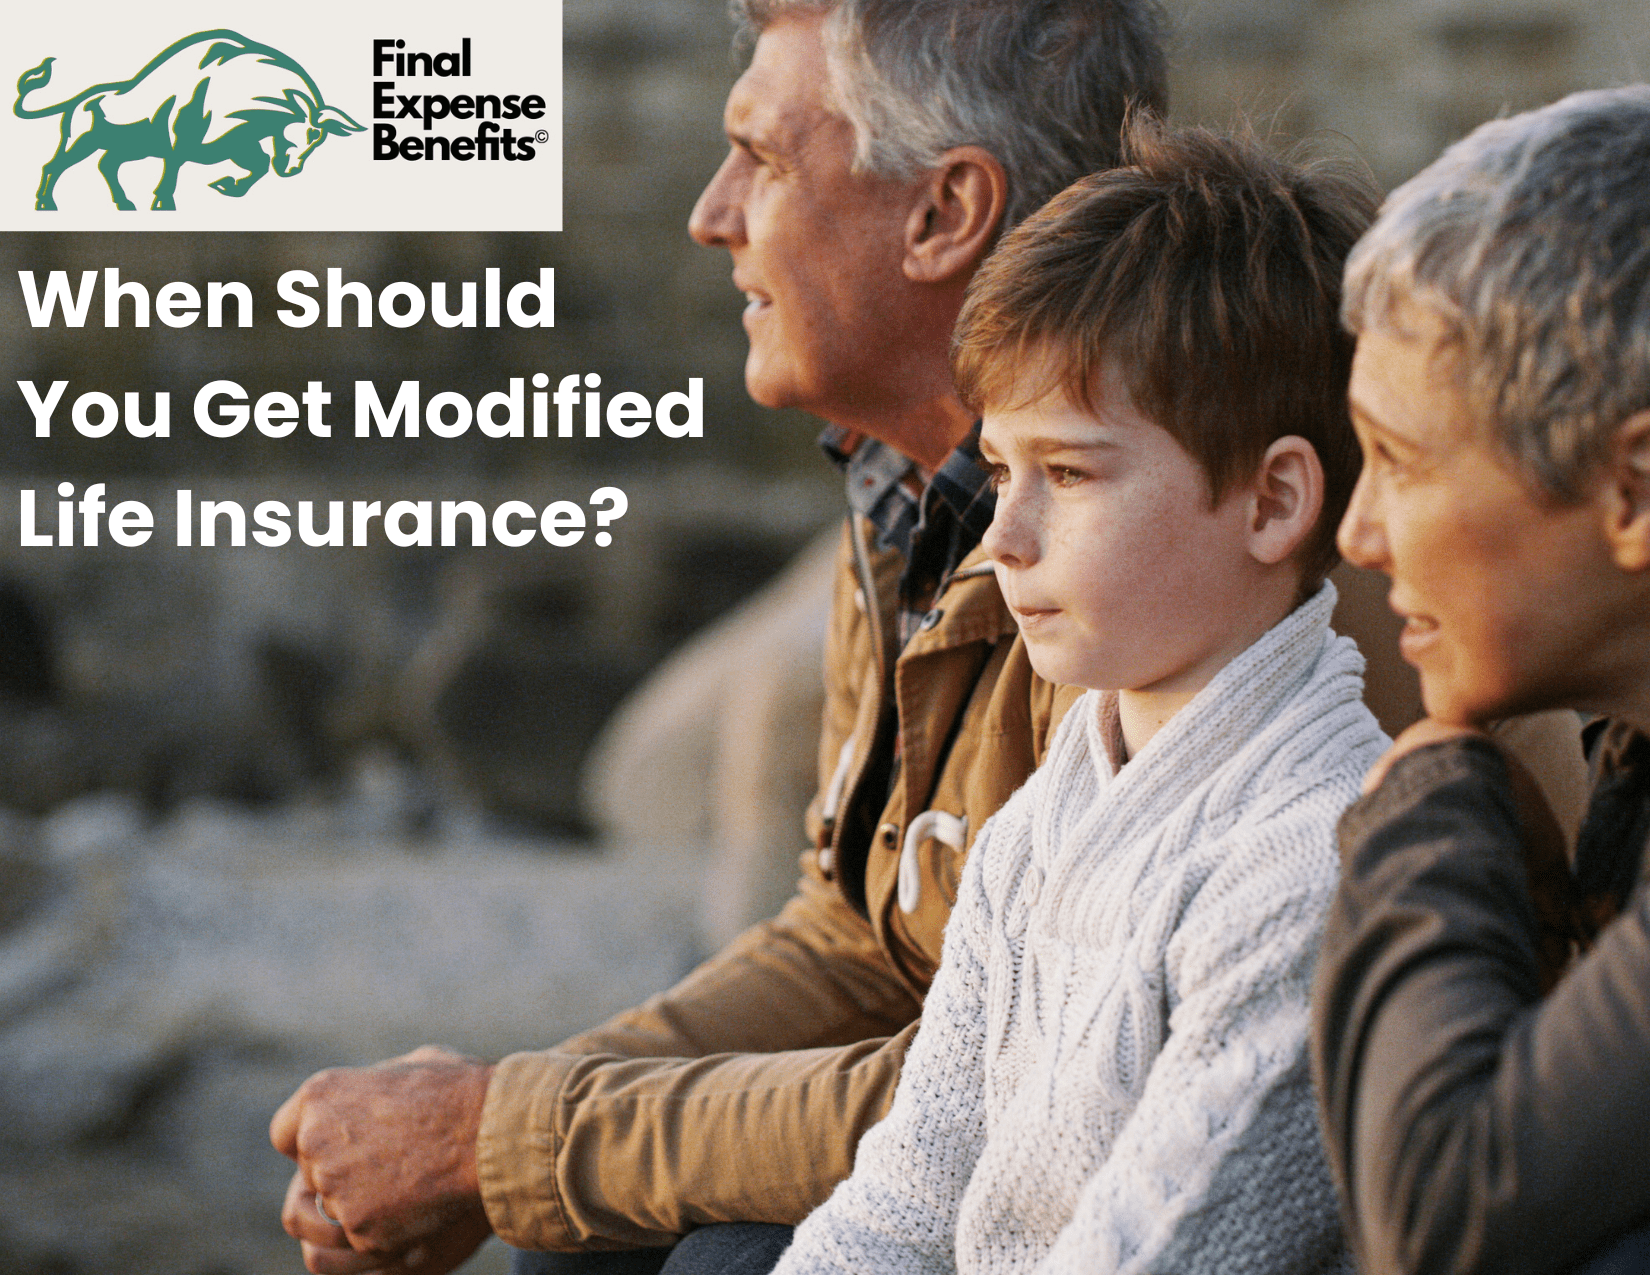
(1207, 272)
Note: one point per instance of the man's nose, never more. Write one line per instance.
(716, 219)
(1361, 537)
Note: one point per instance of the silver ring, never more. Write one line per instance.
(316, 1201)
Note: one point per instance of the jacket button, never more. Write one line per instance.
(889, 832)
(931, 619)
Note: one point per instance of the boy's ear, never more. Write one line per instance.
(1626, 495)
(954, 221)
(1286, 500)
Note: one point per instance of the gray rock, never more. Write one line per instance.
(179, 980)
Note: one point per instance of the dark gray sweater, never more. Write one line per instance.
(1473, 1123)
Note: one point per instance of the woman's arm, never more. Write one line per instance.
(1473, 1125)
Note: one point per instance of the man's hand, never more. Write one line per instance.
(1424, 732)
(386, 1158)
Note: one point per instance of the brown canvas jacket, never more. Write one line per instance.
(741, 1093)
(1473, 1123)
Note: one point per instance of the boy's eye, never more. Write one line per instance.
(1064, 475)
(996, 477)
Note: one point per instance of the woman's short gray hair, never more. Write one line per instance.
(1043, 85)
(1530, 241)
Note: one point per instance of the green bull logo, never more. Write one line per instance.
(207, 98)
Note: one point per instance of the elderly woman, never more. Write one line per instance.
(1486, 1107)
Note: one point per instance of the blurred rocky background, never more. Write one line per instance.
(265, 810)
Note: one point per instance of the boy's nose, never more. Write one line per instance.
(1010, 539)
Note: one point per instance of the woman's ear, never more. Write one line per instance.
(1286, 500)
(1625, 494)
(954, 221)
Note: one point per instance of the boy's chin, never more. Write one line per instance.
(1061, 669)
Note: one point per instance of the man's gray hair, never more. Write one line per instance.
(1530, 241)
(1043, 85)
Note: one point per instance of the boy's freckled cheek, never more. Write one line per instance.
(1069, 539)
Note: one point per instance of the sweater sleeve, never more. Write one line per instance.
(1475, 1125)
(1219, 1166)
(897, 1213)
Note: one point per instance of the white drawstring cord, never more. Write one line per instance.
(951, 830)
(833, 801)
(839, 781)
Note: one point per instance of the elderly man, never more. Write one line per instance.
(1480, 1117)
(878, 149)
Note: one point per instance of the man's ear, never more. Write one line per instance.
(1626, 494)
(954, 221)
(1286, 500)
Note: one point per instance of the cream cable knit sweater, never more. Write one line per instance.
(1111, 1070)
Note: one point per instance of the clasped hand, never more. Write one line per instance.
(386, 1156)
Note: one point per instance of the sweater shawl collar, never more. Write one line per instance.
(1264, 715)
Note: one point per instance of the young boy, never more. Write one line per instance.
(1111, 1070)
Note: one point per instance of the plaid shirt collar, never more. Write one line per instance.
(934, 527)
(880, 482)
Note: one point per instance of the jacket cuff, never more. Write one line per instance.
(517, 1148)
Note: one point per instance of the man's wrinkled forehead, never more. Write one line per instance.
(785, 94)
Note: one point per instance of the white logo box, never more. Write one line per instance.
(514, 50)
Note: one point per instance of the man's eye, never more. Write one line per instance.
(1064, 475)
(996, 477)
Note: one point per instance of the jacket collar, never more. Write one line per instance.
(1610, 852)
(967, 607)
